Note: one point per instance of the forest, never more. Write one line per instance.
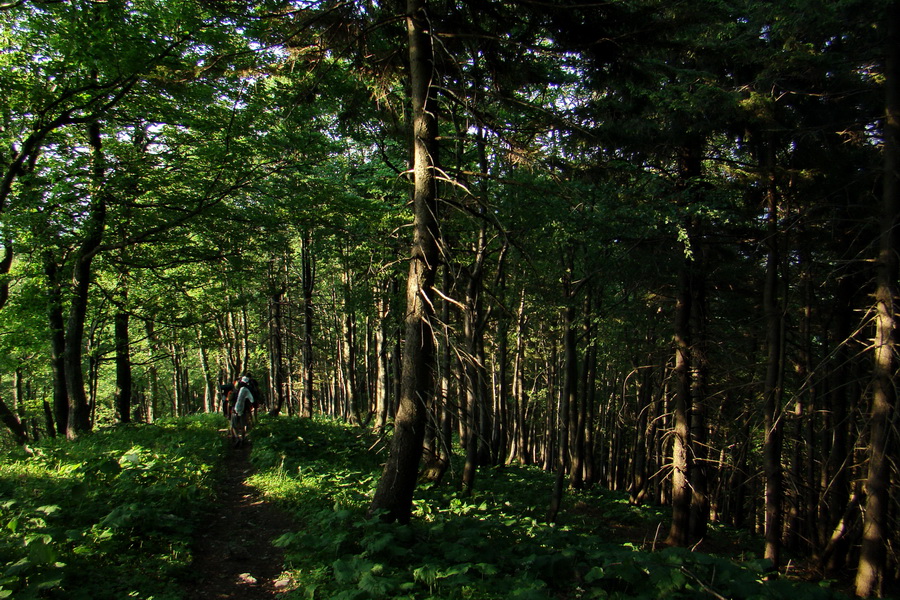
(643, 247)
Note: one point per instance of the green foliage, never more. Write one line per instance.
(109, 516)
(489, 545)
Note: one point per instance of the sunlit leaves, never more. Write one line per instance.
(124, 507)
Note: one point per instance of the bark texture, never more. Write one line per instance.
(393, 497)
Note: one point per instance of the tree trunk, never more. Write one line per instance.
(639, 475)
(448, 420)
(700, 368)
(153, 374)
(276, 353)
(350, 361)
(308, 284)
(873, 553)
(567, 399)
(579, 414)
(393, 496)
(679, 532)
(772, 393)
(382, 364)
(209, 386)
(519, 434)
(79, 413)
(835, 474)
(474, 365)
(57, 345)
(7, 416)
(123, 368)
(5, 264)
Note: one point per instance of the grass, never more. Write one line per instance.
(111, 515)
(490, 545)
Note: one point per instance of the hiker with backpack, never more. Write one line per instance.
(241, 411)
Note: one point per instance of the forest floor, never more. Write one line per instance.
(235, 558)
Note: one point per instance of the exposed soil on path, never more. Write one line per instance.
(234, 555)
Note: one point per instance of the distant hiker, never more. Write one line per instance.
(226, 391)
(241, 411)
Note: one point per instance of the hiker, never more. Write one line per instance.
(226, 391)
(241, 410)
(255, 395)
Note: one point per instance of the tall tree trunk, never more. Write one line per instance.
(5, 265)
(683, 467)
(700, 368)
(640, 475)
(679, 532)
(382, 364)
(873, 553)
(209, 386)
(448, 412)
(79, 413)
(579, 415)
(153, 374)
(350, 360)
(501, 437)
(835, 473)
(567, 398)
(57, 325)
(308, 284)
(474, 366)
(519, 447)
(276, 350)
(393, 496)
(178, 401)
(7, 416)
(123, 367)
(772, 393)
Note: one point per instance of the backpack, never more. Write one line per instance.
(257, 394)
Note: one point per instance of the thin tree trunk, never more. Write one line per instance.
(153, 374)
(567, 398)
(772, 445)
(579, 413)
(700, 368)
(56, 322)
(519, 447)
(474, 366)
(209, 387)
(123, 367)
(382, 365)
(276, 358)
(308, 285)
(7, 416)
(638, 488)
(350, 341)
(5, 265)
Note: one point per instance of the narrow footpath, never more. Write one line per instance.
(235, 558)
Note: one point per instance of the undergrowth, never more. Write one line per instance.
(112, 516)
(108, 516)
(492, 544)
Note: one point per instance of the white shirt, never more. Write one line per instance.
(244, 397)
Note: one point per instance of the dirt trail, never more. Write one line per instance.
(235, 558)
